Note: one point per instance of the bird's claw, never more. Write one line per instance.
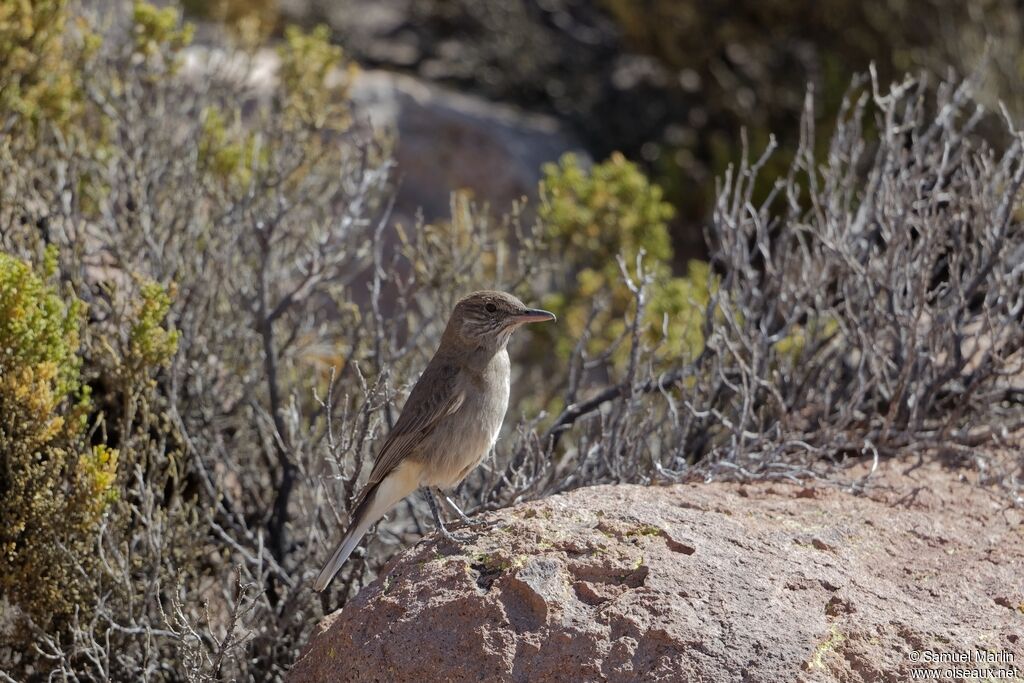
(443, 530)
(456, 539)
(477, 524)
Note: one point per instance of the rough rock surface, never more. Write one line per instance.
(698, 582)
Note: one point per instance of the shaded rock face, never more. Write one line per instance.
(695, 582)
(449, 141)
(443, 140)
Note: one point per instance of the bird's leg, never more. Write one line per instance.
(455, 508)
(476, 524)
(441, 528)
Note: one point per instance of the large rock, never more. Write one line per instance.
(714, 582)
(449, 141)
(443, 140)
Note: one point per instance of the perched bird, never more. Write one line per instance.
(451, 419)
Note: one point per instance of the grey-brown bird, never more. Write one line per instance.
(451, 419)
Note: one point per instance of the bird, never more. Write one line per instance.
(450, 421)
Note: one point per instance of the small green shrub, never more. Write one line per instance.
(252, 20)
(159, 30)
(54, 487)
(228, 152)
(308, 60)
(590, 218)
(151, 344)
(39, 76)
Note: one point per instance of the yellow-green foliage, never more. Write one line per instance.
(159, 31)
(228, 151)
(795, 344)
(590, 217)
(609, 209)
(308, 62)
(314, 80)
(56, 486)
(53, 486)
(150, 343)
(253, 19)
(36, 327)
(38, 77)
(45, 51)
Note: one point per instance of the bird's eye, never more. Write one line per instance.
(491, 308)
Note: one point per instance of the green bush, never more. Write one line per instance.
(56, 483)
(252, 20)
(159, 30)
(591, 218)
(54, 486)
(38, 76)
(307, 62)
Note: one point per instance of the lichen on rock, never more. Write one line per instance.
(721, 581)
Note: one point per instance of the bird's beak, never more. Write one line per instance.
(533, 315)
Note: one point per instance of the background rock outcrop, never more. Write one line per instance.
(444, 140)
(757, 582)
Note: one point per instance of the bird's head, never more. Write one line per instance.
(485, 320)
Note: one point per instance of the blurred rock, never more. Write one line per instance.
(756, 582)
(449, 141)
(444, 140)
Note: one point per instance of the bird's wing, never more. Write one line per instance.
(436, 395)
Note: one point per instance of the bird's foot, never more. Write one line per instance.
(456, 539)
(477, 524)
(439, 523)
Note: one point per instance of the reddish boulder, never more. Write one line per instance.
(756, 582)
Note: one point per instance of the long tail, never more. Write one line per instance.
(375, 504)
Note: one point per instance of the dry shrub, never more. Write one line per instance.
(871, 303)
